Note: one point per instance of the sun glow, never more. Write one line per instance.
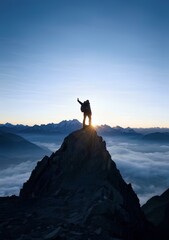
(94, 123)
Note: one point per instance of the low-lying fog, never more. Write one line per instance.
(144, 165)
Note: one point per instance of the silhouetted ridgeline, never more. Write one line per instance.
(66, 127)
(76, 193)
(15, 149)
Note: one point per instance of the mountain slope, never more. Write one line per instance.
(15, 149)
(157, 211)
(88, 190)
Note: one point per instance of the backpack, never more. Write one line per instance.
(85, 106)
(82, 108)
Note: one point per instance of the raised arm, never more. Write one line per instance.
(79, 101)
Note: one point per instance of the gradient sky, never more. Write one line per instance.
(113, 52)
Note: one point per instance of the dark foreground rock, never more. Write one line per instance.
(76, 193)
(157, 212)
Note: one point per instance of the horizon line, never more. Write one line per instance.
(97, 125)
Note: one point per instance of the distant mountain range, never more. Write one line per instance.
(151, 130)
(157, 136)
(117, 131)
(15, 149)
(50, 128)
(65, 127)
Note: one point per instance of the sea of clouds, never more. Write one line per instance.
(13, 177)
(144, 165)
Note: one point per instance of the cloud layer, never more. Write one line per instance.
(145, 166)
(12, 178)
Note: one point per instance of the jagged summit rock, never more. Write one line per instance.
(87, 190)
(82, 161)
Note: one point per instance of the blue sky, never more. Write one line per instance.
(113, 52)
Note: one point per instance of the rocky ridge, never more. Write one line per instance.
(76, 193)
(157, 212)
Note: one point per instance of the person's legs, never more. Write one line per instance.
(90, 119)
(84, 119)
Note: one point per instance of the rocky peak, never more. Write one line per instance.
(81, 161)
(88, 190)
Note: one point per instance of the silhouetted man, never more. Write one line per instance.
(85, 108)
